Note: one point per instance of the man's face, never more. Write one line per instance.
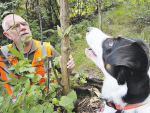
(17, 27)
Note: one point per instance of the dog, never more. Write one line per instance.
(125, 64)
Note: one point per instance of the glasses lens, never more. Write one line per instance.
(18, 25)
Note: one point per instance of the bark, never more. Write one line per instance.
(27, 7)
(100, 14)
(37, 3)
(65, 45)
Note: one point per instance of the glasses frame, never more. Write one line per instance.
(18, 25)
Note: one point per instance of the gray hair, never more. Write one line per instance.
(4, 25)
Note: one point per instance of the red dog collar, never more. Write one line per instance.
(118, 107)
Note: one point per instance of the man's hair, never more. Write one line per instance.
(4, 25)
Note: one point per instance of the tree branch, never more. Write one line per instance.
(47, 75)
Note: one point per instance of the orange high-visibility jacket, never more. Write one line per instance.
(42, 49)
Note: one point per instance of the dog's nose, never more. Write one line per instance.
(88, 29)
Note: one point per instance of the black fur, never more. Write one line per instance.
(128, 66)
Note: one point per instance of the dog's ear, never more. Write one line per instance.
(123, 72)
(132, 56)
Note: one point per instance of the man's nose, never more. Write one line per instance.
(22, 27)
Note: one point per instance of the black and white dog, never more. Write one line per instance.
(125, 63)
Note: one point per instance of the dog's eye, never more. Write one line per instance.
(111, 43)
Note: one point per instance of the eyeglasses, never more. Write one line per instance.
(18, 25)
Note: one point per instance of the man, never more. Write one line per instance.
(16, 27)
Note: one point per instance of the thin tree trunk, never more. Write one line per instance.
(27, 7)
(65, 45)
(37, 3)
(100, 14)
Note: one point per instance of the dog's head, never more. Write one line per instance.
(113, 55)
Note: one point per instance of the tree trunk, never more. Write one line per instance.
(100, 14)
(37, 3)
(65, 45)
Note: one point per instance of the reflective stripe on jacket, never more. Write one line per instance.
(42, 50)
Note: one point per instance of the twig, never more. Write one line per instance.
(57, 79)
(47, 75)
(2, 80)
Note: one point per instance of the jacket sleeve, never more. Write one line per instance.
(54, 53)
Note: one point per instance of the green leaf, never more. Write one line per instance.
(1, 99)
(29, 98)
(59, 31)
(42, 85)
(56, 59)
(81, 72)
(30, 75)
(12, 81)
(49, 30)
(21, 62)
(82, 80)
(55, 85)
(65, 101)
(28, 37)
(18, 110)
(21, 45)
(18, 101)
(16, 88)
(69, 108)
(32, 88)
(27, 84)
(15, 52)
(32, 69)
(11, 76)
(3, 6)
(11, 67)
(76, 76)
(58, 2)
(53, 95)
(17, 68)
(37, 109)
(36, 78)
(54, 100)
(5, 105)
(84, 76)
(48, 107)
(72, 95)
(67, 30)
(23, 80)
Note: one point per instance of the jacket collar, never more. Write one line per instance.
(33, 48)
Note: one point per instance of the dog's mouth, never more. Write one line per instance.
(90, 53)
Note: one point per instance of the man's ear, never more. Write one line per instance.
(7, 34)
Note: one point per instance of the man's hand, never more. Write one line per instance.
(70, 63)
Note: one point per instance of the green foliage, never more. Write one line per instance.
(32, 95)
(77, 79)
(34, 29)
(66, 32)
